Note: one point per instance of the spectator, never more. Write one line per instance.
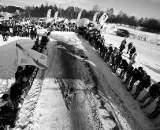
(15, 93)
(136, 76)
(108, 55)
(154, 92)
(105, 49)
(113, 55)
(145, 82)
(156, 111)
(118, 60)
(129, 74)
(18, 73)
(123, 67)
(132, 60)
(122, 46)
(132, 51)
(130, 45)
(32, 33)
(6, 103)
(7, 110)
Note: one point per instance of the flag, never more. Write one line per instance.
(48, 17)
(79, 15)
(31, 57)
(49, 14)
(95, 17)
(56, 16)
(103, 19)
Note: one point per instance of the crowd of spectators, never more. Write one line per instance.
(24, 77)
(30, 27)
(131, 76)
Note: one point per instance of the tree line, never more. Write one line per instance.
(146, 24)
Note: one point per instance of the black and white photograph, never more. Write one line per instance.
(79, 64)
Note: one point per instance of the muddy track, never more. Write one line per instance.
(84, 86)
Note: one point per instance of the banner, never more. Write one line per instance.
(56, 16)
(30, 57)
(79, 15)
(103, 19)
(49, 14)
(95, 17)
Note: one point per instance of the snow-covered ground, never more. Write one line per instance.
(147, 54)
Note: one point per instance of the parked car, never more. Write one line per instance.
(122, 33)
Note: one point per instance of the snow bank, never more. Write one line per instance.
(8, 56)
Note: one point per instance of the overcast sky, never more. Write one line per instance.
(140, 8)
